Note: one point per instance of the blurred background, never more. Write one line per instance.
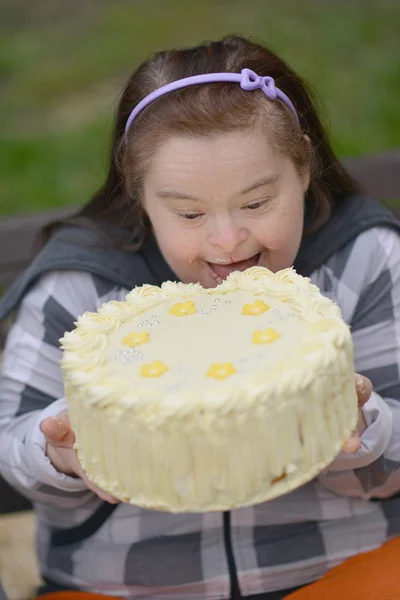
(63, 64)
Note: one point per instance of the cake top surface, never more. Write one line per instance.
(183, 346)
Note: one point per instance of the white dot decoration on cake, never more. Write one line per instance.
(127, 357)
(230, 396)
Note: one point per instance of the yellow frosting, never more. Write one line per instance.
(257, 308)
(135, 338)
(217, 411)
(265, 337)
(221, 371)
(182, 309)
(155, 369)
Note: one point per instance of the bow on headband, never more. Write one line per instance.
(251, 81)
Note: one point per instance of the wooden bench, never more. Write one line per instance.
(379, 174)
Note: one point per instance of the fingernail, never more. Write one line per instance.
(360, 384)
(60, 423)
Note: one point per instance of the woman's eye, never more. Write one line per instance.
(190, 216)
(255, 205)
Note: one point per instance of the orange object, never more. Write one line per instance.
(373, 575)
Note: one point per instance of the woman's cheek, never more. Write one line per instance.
(268, 232)
(179, 244)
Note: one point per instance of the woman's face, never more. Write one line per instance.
(223, 203)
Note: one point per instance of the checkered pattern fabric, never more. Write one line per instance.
(286, 542)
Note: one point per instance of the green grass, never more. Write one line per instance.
(62, 66)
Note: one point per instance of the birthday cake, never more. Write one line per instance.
(191, 399)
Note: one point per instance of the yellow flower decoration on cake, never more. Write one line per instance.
(183, 309)
(154, 369)
(136, 338)
(265, 337)
(257, 308)
(221, 370)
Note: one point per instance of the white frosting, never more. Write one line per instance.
(185, 441)
(174, 290)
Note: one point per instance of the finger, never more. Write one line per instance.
(89, 484)
(352, 445)
(363, 388)
(99, 492)
(102, 495)
(57, 431)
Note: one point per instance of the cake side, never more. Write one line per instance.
(247, 443)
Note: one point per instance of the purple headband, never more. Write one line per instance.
(248, 81)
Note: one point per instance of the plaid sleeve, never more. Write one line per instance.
(31, 386)
(364, 279)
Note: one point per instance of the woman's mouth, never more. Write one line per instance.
(221, 270)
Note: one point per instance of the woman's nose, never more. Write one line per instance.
(226, 234)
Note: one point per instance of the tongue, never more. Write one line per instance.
(224, 270)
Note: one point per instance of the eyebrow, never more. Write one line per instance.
(175, 195)
(266, 180)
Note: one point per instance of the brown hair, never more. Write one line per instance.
(203, 110)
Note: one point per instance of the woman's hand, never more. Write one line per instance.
(364, 390)
(60, 450)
